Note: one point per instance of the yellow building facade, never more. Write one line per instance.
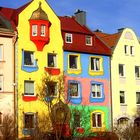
(35, 58)
(125, 68)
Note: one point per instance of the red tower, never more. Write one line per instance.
(39, 28)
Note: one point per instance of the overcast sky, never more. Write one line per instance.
(106, 15)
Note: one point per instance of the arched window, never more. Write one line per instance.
(123, 121)
(137, 122)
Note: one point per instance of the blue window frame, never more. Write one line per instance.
(74, 92)
(97, 92)
(29, 64)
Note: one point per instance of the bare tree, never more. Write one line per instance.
(8, 128)
(51, 92)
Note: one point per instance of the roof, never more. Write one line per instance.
(109, 39)
(71, 25)
(12, 14)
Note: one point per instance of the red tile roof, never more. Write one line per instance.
(109, 39)
(70, 25)
(12, 14)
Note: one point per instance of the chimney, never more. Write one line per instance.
(80, 17)
(120, 30)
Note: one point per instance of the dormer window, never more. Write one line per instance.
(34, 30)
(43, 30)
(68, 38)
(89, 40)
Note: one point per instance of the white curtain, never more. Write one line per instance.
(32, 58)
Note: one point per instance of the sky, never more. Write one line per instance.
(106, 15)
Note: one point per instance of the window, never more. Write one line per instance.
(132, 50)
(96, 90)
(96, 120)
(74, 89)
(73, 61)
(88, 40)
(34, 30)
(52, 89)
(52, 60)
(121, 70)
(28, 121)
(76, 119)
(95, 64)
(68, 38)
(28, 87)
(1, 82)
(137, 97)
(122, 97)
(0, 118)
(137, 71)
(28, 58)
(123, 121)
(125, 49)
(137, 122)
(43, 30)
(1, 52)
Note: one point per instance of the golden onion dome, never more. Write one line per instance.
(39, 14)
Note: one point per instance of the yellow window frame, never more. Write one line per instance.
(96, 73)
(79, 69)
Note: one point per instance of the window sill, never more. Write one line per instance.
(52, 70)
(2, 61)
(29, 98)
(74, 71)
(95, 73)
(69, 42)
(28, 68)
(123, 104)
(122, 77)
(90, 45)
(138, 78)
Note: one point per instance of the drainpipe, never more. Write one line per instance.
(111, 110)
(15, 87)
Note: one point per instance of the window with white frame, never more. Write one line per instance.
(137, 71)
(1, 83)
(96, 120)
(68, 38)
(52, 60)
(88, 40)
(43, 30)
(1, 52)
(51, 88)
(126, 49)
(0, 118)
(95, 64)
(122, 97)
(132, 50)
(73, 88)
(28, 87)
(96, 90)
(123, 121)
(121, 70)
(29, 121)
(73, 61)
(34, 30)
(28, 58)
(137, 97)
